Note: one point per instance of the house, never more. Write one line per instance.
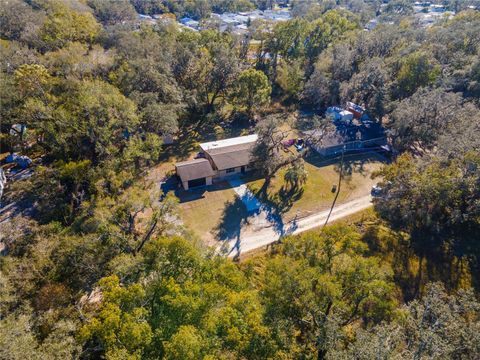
(348, 137)
(219, 159)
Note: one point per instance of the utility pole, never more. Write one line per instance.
(338, 188)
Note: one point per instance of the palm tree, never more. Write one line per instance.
(296, 175)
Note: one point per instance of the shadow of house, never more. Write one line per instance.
(198, 192)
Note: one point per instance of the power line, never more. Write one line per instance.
(338, 188)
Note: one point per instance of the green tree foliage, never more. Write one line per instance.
(80, 61)
(99, 113)
(61, 189)
(437, 326)
(434, 201)
(369, 87)
(296, 174)
(418, 121)
(95, 261)
(111, 12)
(121, 326)
(32, 80)
(416, 70)
(134, 217)
(318, 284)
(19, 21)
(252, 90)
(290, 78)
(329, 28)
(19, 341)
(64, 24)
(186, 306)
(269, 154)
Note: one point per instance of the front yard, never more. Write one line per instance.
(316, 195)
(204, 210)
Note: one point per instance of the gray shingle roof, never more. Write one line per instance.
(231, 156)
(194, 169)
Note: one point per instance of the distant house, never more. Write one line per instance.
(352, 137)
(222, 158)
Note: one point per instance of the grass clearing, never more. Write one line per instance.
(316, 195)
(202, 210)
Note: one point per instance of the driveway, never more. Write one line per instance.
(258, 217)
(252, 204)
(266, 235)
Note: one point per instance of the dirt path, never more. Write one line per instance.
(267, 235)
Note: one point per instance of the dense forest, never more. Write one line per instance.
(92, 265)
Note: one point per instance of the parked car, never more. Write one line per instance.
(299, 144)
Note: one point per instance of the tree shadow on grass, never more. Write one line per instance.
(277, 204)
(352, 162)
(234, 216)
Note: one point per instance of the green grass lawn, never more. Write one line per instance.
(316, 195)
(202, 210)
(207, 210)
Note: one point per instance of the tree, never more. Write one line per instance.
(269, 154)
(61, 189)
(80, 61)
(186, 344)
(322, 90)
(16, 17)
(330, 27)
(287, 41)
(64, 24)
(135, 217)
(180, 304)
(290, 78)
(434, 201)
(369, 87)
(318, 284)
(416, 70)
(252, 90)
(32, 80)
(437, 326)
(399, 7)
(98, 112)
(111, 12)
(19, 341)
(418, 121)
(213, 73)
(296, 175)
(120, 327)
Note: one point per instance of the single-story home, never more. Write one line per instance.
(352, 137)
(219, 159)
